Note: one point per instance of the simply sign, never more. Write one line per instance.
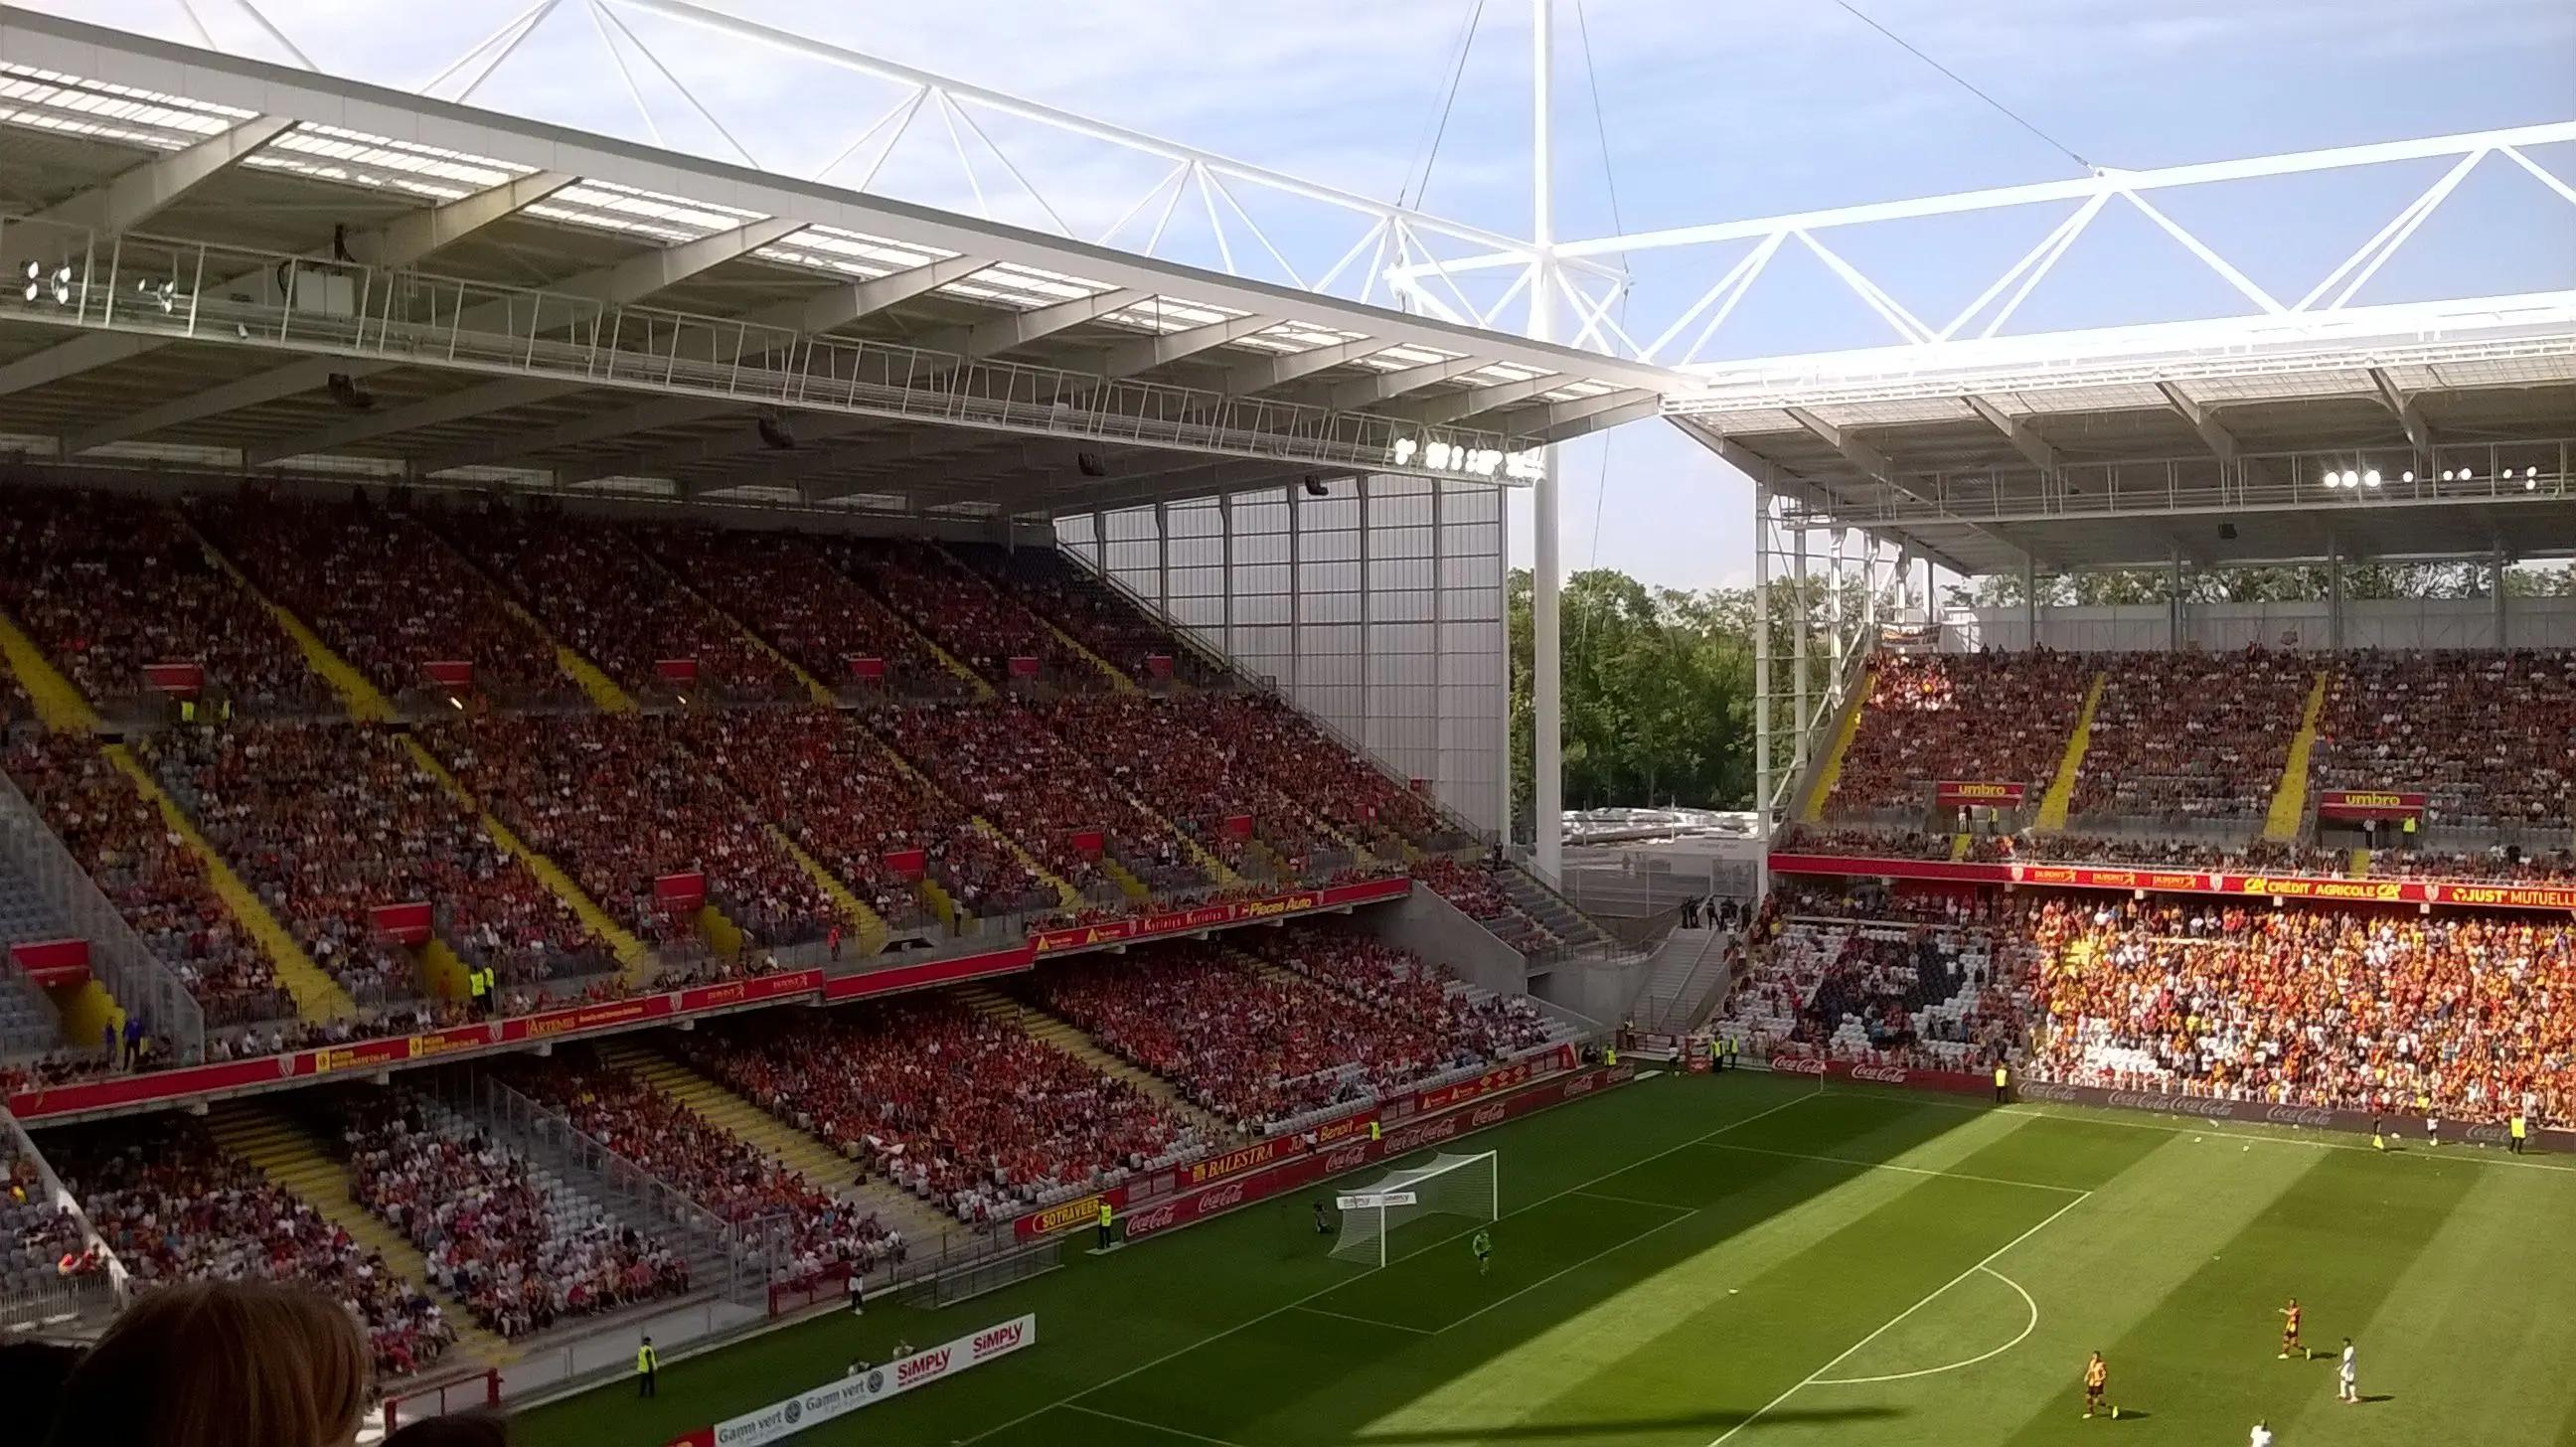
(1372, 1200)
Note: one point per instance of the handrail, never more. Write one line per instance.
(60, 1197)
(137, 978)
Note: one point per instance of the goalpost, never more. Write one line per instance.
(1448, 1185)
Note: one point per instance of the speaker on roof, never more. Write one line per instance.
(1090, 464)
(773, 432)
(2227, 532)
(345, 390)
(1315, 486)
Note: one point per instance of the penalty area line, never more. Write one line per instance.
(1148, 1426)
(1847, 1353)
(2027, 1328)
(1363, 1320)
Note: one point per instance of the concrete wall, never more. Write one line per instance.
(1602, 992)
(1440, 932)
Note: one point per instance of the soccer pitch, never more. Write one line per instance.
(1756, 1261)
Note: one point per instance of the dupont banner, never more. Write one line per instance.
(2183, 881)
(680, 892)
(866, 669)
(449, 672)
(174, 678)
(1236, 826)
(781, 1420)
(2369, 804)
(1024, 666)
(1158, 665)
(906, 863)
(1972, 791)
(1088, 842)
(676, 670)
(52, 962)
(403, 923)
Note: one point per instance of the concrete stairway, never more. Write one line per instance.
(1550, 910)
(2289, 811)
(1688, 974)
(2060, 794)
(1057, 1034)
(822, 1167)
(317, 995)
(294, 1159)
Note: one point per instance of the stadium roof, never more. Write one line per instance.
(316, 274)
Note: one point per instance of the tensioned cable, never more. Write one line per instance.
(2009, 113)
(1429, 152)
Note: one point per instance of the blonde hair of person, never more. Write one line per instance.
(220, 1364)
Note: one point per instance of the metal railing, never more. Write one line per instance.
(119, 959)
(238, 295)
(111, 1280)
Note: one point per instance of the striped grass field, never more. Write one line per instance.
(1757, 1261)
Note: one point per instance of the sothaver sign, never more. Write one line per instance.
(781, 1420)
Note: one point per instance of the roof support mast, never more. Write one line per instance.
(1547, 757)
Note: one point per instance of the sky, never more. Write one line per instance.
(1668, 112)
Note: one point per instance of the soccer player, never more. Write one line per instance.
(1483, 1246)
(2347, 1386)
(2262, 1436)
(2378, 1136)
(2289, 1328)
(2097, 1379)
(1322, 1226)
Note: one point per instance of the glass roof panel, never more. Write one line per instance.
(48, 100)
(354, 158)
(851, 253)
(606, 206)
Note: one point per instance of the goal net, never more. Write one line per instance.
(1447, 1185)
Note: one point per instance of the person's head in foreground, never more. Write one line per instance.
(220, 1364)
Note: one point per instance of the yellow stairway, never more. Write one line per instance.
(2290, 800)
(294, 1160)
(630, 951)
(822, 1167)
(1066, 893)
(1119, 682)
(59, 706)
(1128, 884)
(317, 996)
(2061, 789)
(598, 687)
(363, 700)
(1960, 844)
(2360, 866)
(1846, 728)
(442, 971)
(1062, 1035)
(865, 923)
(722, 934)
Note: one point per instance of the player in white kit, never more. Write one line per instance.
(2262, 1436)
(2346, 1388)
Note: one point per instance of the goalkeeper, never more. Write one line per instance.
(1482, 1243)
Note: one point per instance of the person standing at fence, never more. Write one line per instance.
(648, 1370)
(1108, 1220)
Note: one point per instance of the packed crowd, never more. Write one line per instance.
(1198, 784)
(2498, 865)
(725, 1175)
(173, 1208)
(2490, 737)
(1943, 993)
(1863, 843)
(1081, 605)
(1403, 986)
(962, 1110)
(1989, 717)
(1258, 1047)
(601, 596)
(776, 583)
(1479, 896)
(854, 806)
(328, 822)
(577, 788)
(2196, 735)
(39, 1241)
(1314, 769)
(520, 1257)
(155, 880)
(1000, 760)
(977, 624)
(2368, 1011)
(384, 592)
(107, 584)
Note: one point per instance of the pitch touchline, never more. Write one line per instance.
(1149, 1426)
(1892, 1166)
(1253, 1321)
(1365, 1320)
(2027, 1328)
(1812, 1378)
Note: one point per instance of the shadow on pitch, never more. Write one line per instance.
(1599, 1429)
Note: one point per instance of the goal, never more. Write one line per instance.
(1459, 1185)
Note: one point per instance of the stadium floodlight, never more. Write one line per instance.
(2351, 478)
(2407, 476)
(1447, 1185)
(2370, 478)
